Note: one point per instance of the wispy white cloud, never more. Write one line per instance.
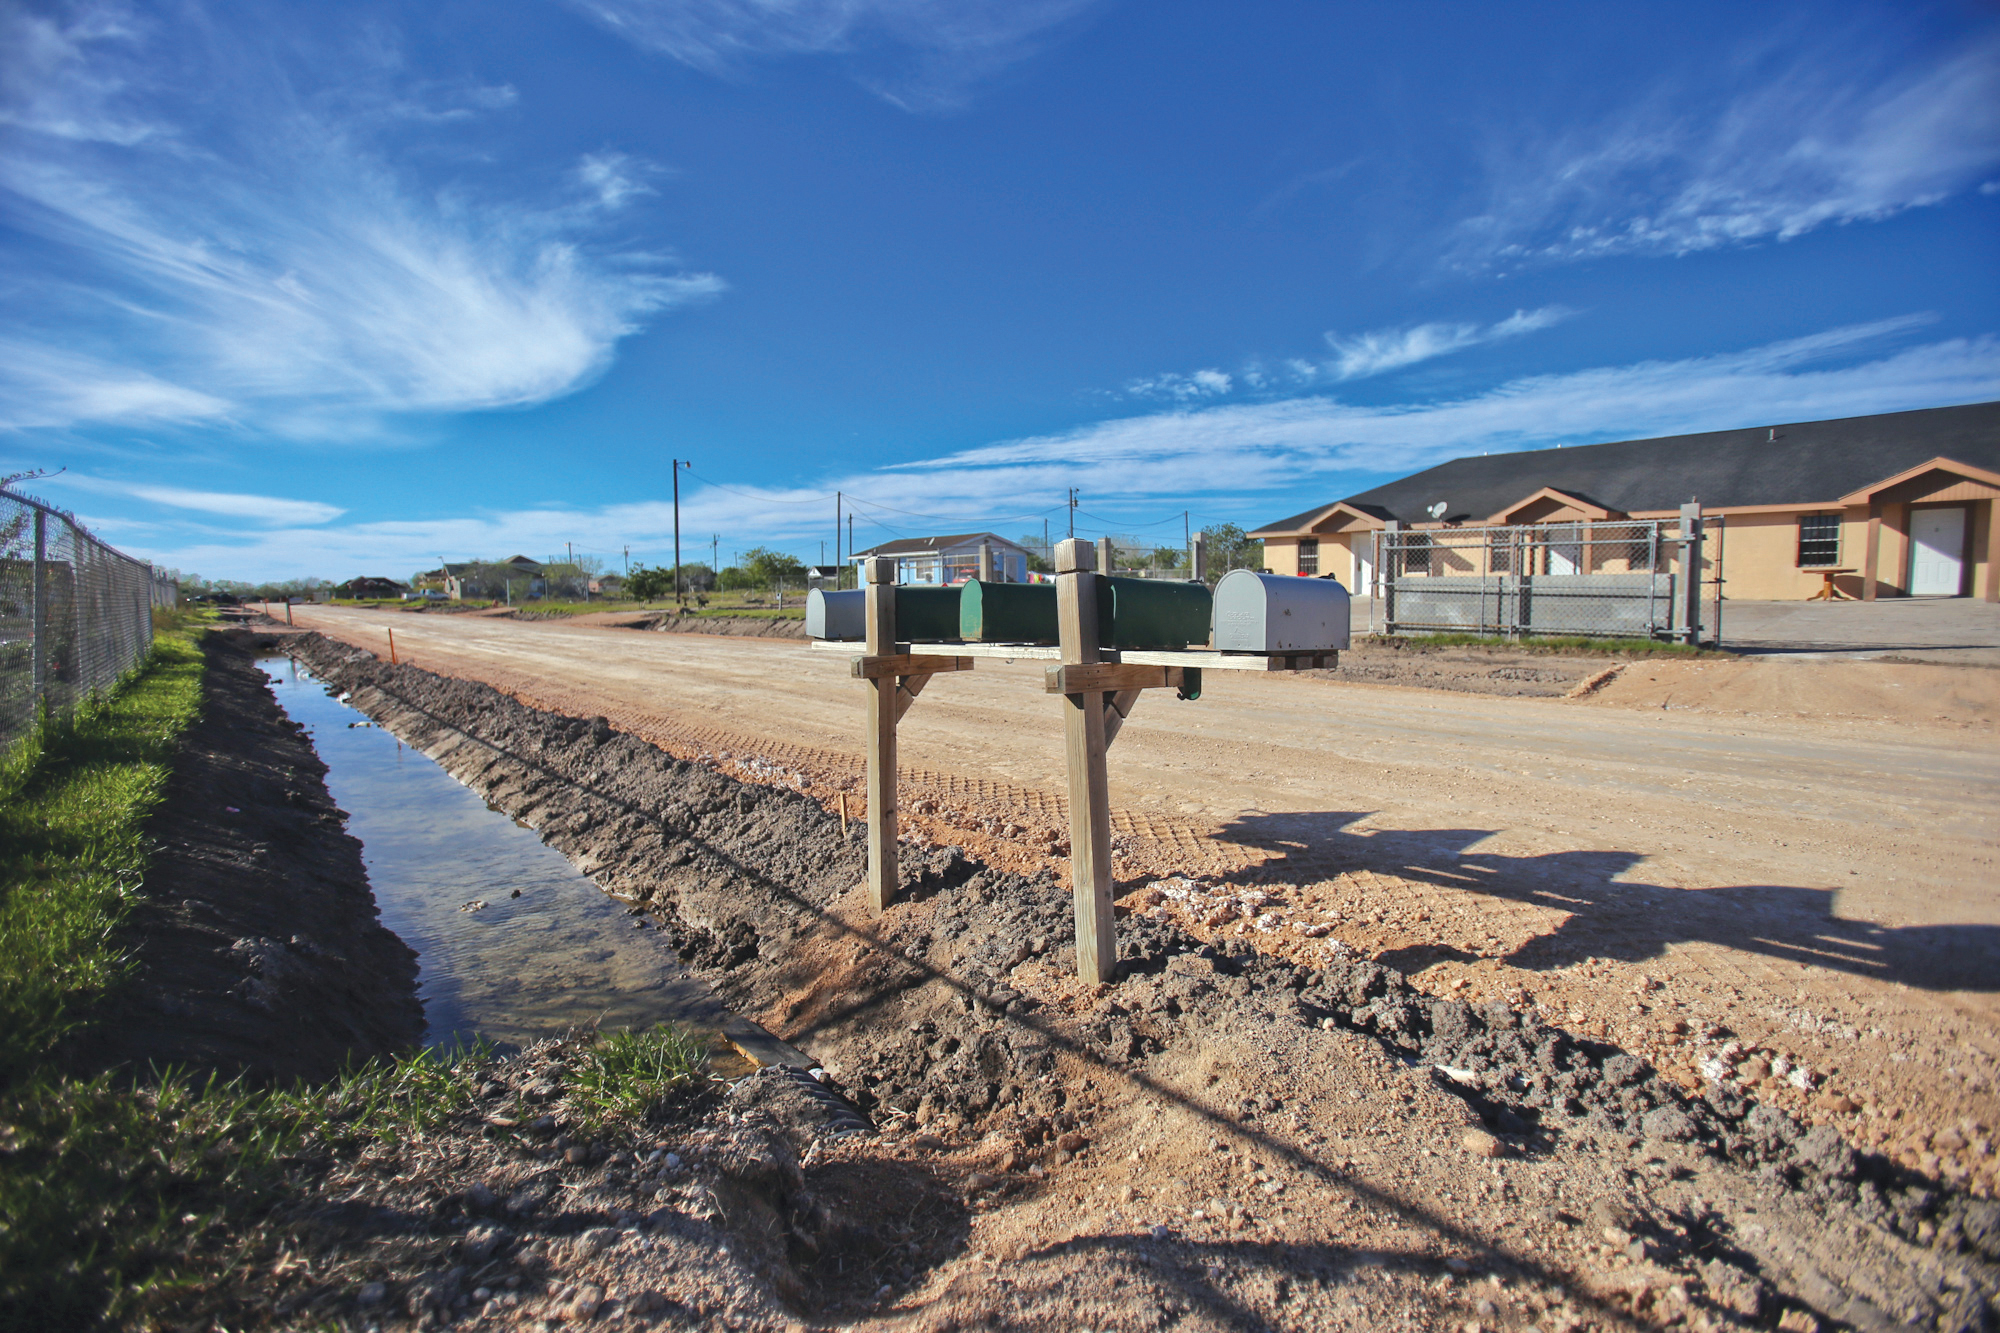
(1377, 353)
(274, 268)
(920, 54)
(1824, 138)
(269, 510)
(1244, 461)
(1181, 388)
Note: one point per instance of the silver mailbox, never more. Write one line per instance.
(1271, 613)
(841, 616)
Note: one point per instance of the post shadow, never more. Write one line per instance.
(1612, 917)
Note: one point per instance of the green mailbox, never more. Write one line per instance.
(1152, 613)
(1007, 612)
(926, 615)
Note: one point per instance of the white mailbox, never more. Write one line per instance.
(1271, 613)
(840, 616)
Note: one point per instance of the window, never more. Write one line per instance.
(1309, 556)
(1819, 540)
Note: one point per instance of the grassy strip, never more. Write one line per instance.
(74, 798)
(124, 1203)
(1569, 646)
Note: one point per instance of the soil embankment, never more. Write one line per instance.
(255, 941)
(1222, 1134)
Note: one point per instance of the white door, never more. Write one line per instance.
(1565, 549)
(1937, 550)
(1364, 565)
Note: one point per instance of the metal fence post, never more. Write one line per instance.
(40, 621)
(1691, 568)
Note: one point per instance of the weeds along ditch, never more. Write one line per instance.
(921, 1015)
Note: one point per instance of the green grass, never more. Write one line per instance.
(119, 1202)
(74, 798)
(625, 1075)
(1572, 645)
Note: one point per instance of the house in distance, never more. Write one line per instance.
(952, 559)
(1903, 504)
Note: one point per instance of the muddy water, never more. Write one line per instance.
(514, 942)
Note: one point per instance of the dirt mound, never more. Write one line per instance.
(1917, 692)
(956, 1012)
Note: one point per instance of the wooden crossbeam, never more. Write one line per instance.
(1080, 678)
(904, 664)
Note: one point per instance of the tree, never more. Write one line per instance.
(765, 566)
(1168, 557)
(650, 583)
(1229, 548)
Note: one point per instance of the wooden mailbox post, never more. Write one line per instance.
(894, 682)
(1098, 687)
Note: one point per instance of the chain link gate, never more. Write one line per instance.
(1628, 578)
(75, 615)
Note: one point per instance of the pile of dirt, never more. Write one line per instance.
(744, 1202)
(255, 942)
(956, 1013)
(756, 627)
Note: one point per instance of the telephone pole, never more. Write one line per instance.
(678, 464)
(836, 532)
(1072, 511)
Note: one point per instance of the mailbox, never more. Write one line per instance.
(923, 615)
(1151, 613)
(1007, 612)
(1271, 613)
(840, 616)
(926, 615)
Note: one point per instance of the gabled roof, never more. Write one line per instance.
(1314, 519)
(1803, 463)
(1868, 492)
(1582, 503)
(934, 545)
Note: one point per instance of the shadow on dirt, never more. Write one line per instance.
(1616, 918)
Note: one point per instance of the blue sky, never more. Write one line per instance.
(300, 289)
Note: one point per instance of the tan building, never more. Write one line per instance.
(1902, 504)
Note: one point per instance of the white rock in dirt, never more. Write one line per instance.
(1481, 1144)
(585, 1304)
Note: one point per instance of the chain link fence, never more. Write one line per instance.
(75, 615)
(1655, 579)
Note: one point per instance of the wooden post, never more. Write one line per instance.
(1873, 552)
(1106, 554)
(882, 712)
(1083, 748)
(392, 648)
(986, 562)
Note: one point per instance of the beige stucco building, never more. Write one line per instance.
(1902, 504)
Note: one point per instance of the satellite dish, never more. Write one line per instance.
(1436, 511)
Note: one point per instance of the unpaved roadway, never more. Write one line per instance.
(1794, 856)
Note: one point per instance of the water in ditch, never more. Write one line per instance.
(514, 942)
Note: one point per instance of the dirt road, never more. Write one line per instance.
(1794, 856)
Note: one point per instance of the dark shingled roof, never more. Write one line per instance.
(929, 545)
(1807, 462)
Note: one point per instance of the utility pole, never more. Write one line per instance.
(836, 534)
(1072, 511)
(628, 560)
(1187, 538)
(679, 600)
(714, 556)
(850, 544)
